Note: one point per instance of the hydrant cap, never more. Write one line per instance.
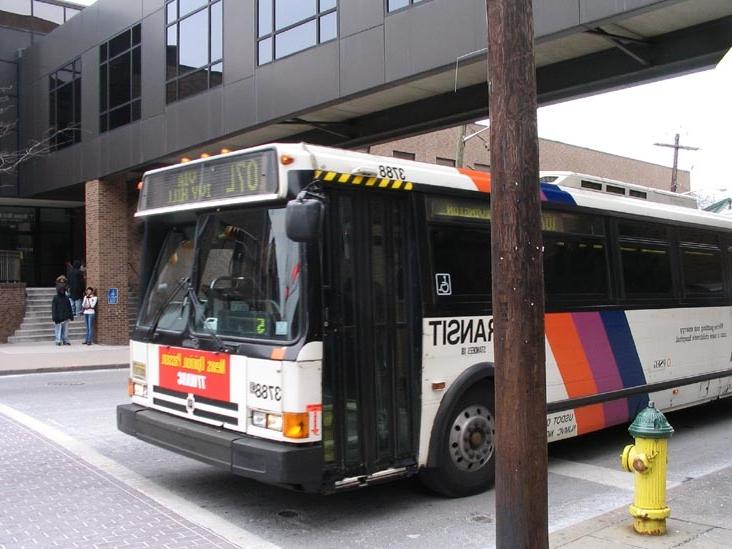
(650, 423)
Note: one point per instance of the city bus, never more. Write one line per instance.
(320, 319)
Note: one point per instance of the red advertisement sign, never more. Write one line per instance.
(201, 373)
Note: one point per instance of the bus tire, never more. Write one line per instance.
(465, 462)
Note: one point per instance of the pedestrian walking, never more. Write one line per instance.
(88, 307)
(61, 314)
(76, 286)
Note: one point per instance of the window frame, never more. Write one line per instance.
(174, 82)
(410, 4)
(431, 222)
(134, 102)
(274, 32)
(53, 90)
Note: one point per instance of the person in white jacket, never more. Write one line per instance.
(88, 309)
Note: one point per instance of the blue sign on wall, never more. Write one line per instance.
(112, 296)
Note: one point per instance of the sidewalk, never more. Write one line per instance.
(57, 499)
(18, 358)
(701, 518)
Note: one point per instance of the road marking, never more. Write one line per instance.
(167, 499)
(593, 473)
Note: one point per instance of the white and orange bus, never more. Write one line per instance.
(321, 319)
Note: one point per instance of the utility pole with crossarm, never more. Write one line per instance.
(675, 169)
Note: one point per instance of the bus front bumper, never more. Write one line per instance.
(299, 467)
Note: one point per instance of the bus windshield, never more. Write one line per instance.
(248, 275)
(165, 307)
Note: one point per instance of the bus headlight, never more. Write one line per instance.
(137, 384)
(266, 420)
(139, 370)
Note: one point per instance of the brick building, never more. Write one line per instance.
(440, 147)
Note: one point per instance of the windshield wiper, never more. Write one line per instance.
(199, 317)
(161, 310)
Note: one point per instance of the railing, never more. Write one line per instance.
(9, 266)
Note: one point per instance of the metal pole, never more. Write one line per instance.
(518, 285)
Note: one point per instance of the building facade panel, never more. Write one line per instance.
(552, 16)
(151, 6)
(297, 82)
(359, 15)
(239, 43)
(594, 10)
(153, 59)
(432, 34)
(362, 61)
(153, 138)
(240, 105)
(194, 120)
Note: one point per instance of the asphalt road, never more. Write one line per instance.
(584, 481)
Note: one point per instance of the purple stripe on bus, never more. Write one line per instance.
(600, 356)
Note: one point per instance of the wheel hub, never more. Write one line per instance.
(471, 438)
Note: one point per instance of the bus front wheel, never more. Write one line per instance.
(465, 460)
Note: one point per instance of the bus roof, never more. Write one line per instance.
(344, 167)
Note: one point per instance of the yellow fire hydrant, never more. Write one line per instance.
(647, 460)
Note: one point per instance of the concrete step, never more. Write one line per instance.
(77, 338)
(45, 322)
(78, 330)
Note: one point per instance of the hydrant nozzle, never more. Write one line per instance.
(647, 460)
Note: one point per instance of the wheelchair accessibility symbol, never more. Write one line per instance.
(443, 284)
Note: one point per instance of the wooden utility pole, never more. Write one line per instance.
(675, 169)
(518, 284)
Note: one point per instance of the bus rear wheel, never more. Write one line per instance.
(465, 463)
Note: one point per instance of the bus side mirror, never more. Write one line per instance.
(304, 219)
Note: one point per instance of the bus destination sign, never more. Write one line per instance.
(216, 179)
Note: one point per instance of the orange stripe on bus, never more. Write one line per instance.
(574, 368)
(482, 180)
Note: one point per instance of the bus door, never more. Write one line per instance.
(370, 344)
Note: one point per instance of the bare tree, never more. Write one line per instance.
(11, 159)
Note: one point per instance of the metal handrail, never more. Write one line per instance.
(10, 265)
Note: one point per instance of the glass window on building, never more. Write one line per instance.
(65, 105)
(49, 12)
(120, 70)
(21, 7)
(394, 5)
(289, 26)
(194, 47)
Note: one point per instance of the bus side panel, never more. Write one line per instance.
(680, 343)
(450, 345)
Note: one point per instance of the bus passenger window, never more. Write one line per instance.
(465, 254)
(574, 267)
(701, 262)
(702, 271)
(646, 269)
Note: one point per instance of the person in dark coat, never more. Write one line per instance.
(76, 287)
(61, 314)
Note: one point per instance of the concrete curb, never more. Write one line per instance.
(56, 369)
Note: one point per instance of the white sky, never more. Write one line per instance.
(628, 122)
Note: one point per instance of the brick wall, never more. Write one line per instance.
(12, 296)
(107, 245)
(134, 244)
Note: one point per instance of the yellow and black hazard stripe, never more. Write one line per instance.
(363, 180)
